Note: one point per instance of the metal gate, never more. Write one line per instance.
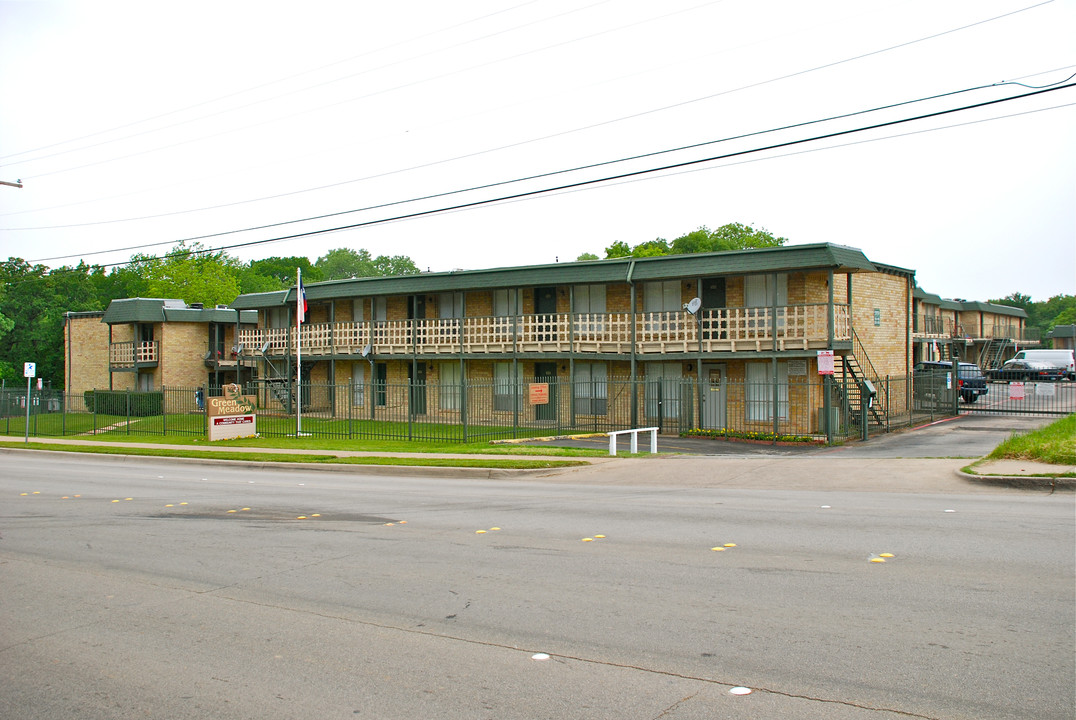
(1024, 398)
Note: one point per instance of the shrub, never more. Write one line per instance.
(114, 402)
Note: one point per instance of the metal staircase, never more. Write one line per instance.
(993, 355)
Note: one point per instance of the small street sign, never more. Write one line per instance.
(29, 370)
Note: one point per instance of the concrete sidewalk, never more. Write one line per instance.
(811, 471)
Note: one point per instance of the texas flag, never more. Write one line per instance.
(301, 306)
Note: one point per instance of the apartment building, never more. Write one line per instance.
(149, 343)
(746, 327)
(978, 332)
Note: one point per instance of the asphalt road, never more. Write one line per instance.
(137, 588)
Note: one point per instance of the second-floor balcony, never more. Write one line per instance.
(791, 327)
(132, 354)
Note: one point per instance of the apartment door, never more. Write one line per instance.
(713, 298)
(545, 308)
(416, 375)
(546, 372)
(715, 394)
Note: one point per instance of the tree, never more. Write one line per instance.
(191, 274)
(345, 263)
(282, 270)
(33, 301)
(733, 236)
(586, 256)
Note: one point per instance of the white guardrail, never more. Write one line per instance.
(634, 439)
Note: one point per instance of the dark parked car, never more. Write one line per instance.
(1027, 371)
(971, 382)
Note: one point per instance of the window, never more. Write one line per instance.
(502, 387)
(590, 305)
(450, 386)
(358, 311)
(760, 391)
(591, 388)
(659, 299)
(763, 292)
(358, 384)
(378, 321)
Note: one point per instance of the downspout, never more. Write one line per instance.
(634, 361)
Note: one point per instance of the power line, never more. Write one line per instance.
(516, 180)
(542, 138)
(622, 176)
(589, 127)
(253, 88)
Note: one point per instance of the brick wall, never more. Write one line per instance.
(85, 354)
(886, 343)
(182, 351)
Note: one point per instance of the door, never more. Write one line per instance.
(546, 372)
(416, 376)
(713, 298)
(714, 394)
(545, 309)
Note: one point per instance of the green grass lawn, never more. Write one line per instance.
(1054, 443)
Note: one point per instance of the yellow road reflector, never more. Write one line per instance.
(479, 532)
(718, 549)
(115, 501)
(128, 498)
(599, 536)
(37, 492)
(65, 498)
(244, 509)
(877, 559)
(389, 524)
(403, 522)
(301, 517)
(885, 554)
(316, 515)
(232, 511)
(183, 503)
(494, 528)
(588, 539)
(24, 493)
(169, 505)
(730, 544)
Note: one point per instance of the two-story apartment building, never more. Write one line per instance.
(745, 327)
(149, 343)
(983, 333)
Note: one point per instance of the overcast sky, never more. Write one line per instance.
(132, 123)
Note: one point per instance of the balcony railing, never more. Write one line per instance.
(132, 354)
(792, 327)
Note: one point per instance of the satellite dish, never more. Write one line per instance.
(366, 350)
(265, 347)
(694, 305)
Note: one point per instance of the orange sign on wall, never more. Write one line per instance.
(539, 393)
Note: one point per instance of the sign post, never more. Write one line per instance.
(29, 371)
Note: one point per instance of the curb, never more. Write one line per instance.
(472, 473)
(1026, 482)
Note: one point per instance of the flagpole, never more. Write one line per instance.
(298, 352)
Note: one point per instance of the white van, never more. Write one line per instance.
(1057, 358)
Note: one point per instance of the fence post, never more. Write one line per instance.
(164, 411)
(864, 398)
(350, 403)
(463, 407)
(128, 426)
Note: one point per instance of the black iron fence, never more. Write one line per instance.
(809, 409)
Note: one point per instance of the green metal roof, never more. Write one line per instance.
(992, 308)
(824, 256)
(1062, 331)
(159, 310)
(261, 300)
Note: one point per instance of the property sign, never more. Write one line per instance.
(232, 415)
(29, 370)
(825, 362)
(539, 393)
(1016, 391)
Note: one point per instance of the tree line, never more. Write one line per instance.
(34, 298)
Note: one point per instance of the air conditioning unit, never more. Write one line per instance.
(834, 420)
